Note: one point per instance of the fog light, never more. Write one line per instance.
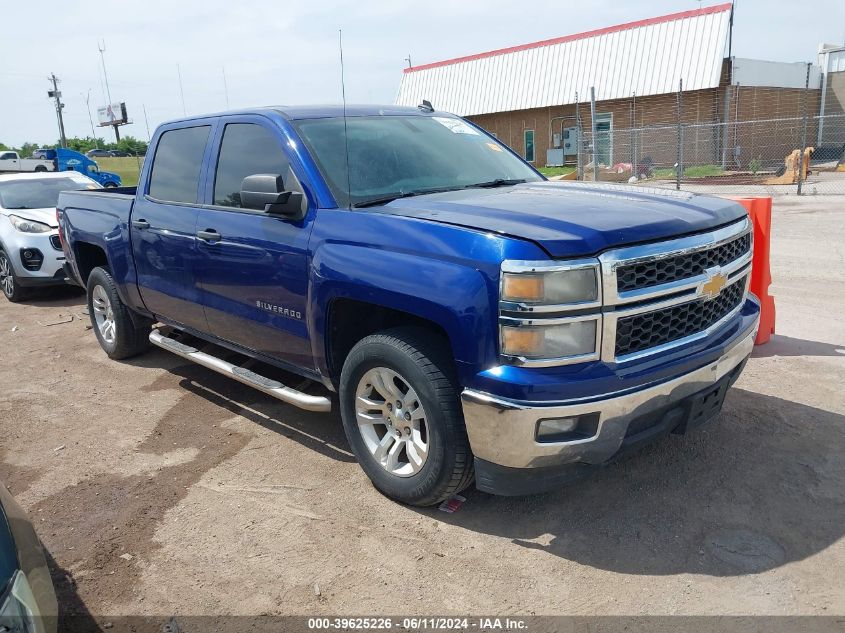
(31, 258)
(567, 429)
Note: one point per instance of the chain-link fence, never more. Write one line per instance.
(762, 156)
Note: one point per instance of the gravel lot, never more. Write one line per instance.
(160, 487)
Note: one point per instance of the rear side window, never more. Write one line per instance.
(177, 164)
(247, 149)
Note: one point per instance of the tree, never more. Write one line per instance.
(27, 149)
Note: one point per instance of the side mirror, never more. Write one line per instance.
(266, 192)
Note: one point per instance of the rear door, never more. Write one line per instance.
(253, 267)
(163, 226)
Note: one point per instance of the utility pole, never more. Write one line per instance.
(225, 87)
(55, 94)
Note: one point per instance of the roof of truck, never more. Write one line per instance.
(317, 111)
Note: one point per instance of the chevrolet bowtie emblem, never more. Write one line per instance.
(711, 288)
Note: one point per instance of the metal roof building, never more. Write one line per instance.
(647, 57)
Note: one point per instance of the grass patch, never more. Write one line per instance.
(693, 171)
(128, 168)
(548, 172)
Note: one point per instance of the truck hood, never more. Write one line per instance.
(45, 216)
(573, 219)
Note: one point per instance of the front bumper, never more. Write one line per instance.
(510, 460)
(50, 272)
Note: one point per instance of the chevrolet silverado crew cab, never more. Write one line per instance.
(473, 319)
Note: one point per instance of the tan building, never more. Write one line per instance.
(647, 77)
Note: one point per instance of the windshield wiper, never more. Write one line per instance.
(498, 182)
(396, 196)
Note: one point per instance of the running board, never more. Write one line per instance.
(247, 377)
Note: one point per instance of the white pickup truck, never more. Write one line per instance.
(11, 162)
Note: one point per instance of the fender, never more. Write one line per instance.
(111, 234)
(444, 274)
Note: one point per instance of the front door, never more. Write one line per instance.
(9, 162)
(604, 139)
(253, 267)
(163, 228)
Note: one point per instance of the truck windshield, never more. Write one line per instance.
(398, 156)
(38, 193)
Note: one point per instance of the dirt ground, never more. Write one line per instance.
(160, 487)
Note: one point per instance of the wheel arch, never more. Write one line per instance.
(351, 320)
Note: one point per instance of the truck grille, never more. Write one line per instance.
(660, 271)
(650, 329)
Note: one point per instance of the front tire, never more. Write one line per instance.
(401, 414)
(9, 284)
(118, 333)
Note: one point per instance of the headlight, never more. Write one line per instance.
(18, 612)
(29, 226)
(563, 300)
(550, 284)
(533, 340)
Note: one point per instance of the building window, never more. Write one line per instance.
(529, 145)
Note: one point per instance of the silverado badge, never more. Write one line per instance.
(711, 288)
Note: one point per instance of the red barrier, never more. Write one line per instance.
(760, 211)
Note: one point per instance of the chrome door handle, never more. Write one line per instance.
(209, 235)
(140, 224)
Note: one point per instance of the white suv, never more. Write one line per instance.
(30, 250)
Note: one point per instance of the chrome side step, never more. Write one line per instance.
(241, 374)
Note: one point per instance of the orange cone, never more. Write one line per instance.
(760, 211)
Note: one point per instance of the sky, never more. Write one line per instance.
(286, 51)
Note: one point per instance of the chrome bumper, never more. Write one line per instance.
(503, 432)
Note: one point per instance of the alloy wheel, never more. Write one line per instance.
(103, 314)
(392, 421)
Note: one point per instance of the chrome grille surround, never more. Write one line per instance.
(621, 304)
(612, 304)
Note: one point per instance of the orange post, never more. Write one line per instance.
(760, 211)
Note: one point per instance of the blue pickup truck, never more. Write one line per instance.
(470, 319)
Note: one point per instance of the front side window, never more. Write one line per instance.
(247, 149)
(177, 164)
(401, 155)
(8, 156)
(529, 145)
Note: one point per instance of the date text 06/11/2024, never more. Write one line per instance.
(418, 623)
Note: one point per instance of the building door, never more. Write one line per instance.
(604, 139)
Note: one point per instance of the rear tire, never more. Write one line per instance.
(9, 283)
(120, 333)
(40, 168)
(409, 434)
